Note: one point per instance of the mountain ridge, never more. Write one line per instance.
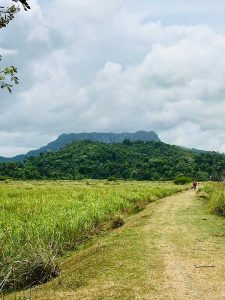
(67, 138)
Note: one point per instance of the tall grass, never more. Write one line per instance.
(40, 221)
(214, 194)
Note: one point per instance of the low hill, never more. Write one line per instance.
(128, 160)
(66, 139)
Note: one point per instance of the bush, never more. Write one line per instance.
(112, 178)
(183, 180)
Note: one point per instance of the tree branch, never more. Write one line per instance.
(8, 75)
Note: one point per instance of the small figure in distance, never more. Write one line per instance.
(194, 185)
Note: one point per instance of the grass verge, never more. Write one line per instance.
(214, 196)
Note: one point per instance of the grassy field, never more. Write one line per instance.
(173, 249)
(40, 221)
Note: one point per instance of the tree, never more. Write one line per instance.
(8, 75)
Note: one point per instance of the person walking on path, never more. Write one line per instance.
(194, 185)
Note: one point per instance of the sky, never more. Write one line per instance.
(115, 66)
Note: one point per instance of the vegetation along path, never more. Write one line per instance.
(174, 249)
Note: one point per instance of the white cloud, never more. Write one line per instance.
(8, 51)
(100, 66)
(16, 142)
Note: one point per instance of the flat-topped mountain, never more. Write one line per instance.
(66, 139)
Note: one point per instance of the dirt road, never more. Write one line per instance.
(174, 249)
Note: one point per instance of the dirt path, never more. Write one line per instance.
(174, 249)
(190, 248)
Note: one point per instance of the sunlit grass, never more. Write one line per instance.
(41, 220)
(214, 193)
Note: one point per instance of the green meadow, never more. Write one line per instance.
(42, 220)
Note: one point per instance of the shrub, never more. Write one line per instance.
(183, 180)
(112, 178)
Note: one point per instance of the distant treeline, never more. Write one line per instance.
(127, 160)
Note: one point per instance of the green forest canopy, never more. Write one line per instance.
(127, 160)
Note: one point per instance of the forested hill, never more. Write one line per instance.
(128, 160)
(66, 139)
